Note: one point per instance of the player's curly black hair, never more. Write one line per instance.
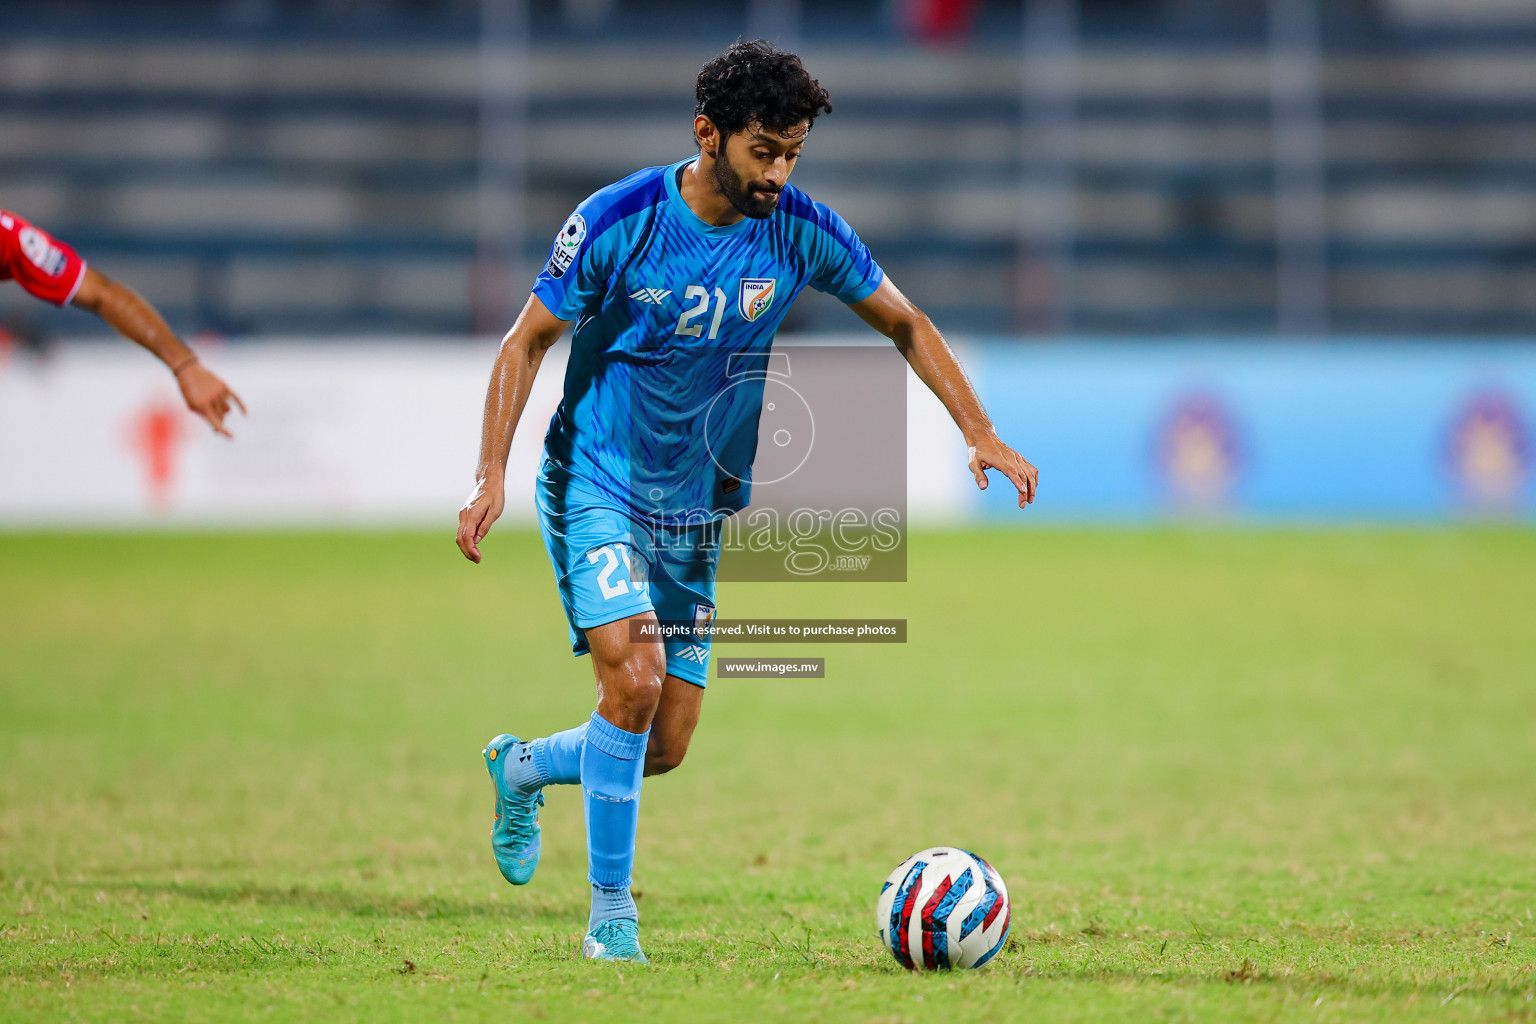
(753, 83)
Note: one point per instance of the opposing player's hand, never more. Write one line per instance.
(481, 510)
(208, 396)
(991, 453)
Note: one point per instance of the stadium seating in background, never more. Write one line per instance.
(282, 183)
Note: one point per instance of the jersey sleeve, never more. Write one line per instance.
(41, 264)
(840, 263)
(581, 260)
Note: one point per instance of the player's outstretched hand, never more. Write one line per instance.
(481, 510)
(208, 396)
(993, 454)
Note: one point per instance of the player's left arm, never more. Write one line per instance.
(135, 319)
(893, 315)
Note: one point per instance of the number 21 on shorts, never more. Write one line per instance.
(613, 556)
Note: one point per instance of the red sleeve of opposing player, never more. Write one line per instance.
(44, 266)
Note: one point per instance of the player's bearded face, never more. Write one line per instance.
(741, 177)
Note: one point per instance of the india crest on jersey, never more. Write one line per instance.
(755, 298)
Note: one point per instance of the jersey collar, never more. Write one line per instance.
(685, 212)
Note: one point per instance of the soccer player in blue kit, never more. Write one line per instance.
(674, 276)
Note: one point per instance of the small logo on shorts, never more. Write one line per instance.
(703, 618)
(694, 653)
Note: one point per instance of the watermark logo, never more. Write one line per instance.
(771, 668)
(784, 421)
(774, 464)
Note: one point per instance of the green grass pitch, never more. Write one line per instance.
(1227, 775)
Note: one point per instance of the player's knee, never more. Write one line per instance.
(634, 676)
(640, 690)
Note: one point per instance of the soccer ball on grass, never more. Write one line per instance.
(943, 908)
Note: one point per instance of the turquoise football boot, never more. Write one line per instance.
(614, 940)
(515, 836)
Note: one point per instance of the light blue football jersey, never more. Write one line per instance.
(674, 322)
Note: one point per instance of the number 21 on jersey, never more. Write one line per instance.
(685, 324)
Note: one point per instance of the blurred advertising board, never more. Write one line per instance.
(1358, 431)
(386, 432)
(358, 432)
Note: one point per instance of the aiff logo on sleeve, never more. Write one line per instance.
(567, 243)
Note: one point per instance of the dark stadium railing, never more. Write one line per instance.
(1196, 234)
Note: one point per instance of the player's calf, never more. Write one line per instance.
(668, 744)
(660, 761)
(672, 728)
(629, 681)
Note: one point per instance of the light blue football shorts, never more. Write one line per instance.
(609, 566)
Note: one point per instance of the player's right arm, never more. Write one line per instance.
(52, 271)
(583, 255)
(522, 351)
(135, 319)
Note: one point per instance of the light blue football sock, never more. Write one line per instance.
(612, 763)
(560, 756)
(611, 905)
(548, 761)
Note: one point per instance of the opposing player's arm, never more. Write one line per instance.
(137, 320)
(893, 315)
(522, 350)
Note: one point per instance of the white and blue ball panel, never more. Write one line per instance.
(943, 908)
